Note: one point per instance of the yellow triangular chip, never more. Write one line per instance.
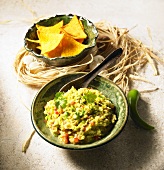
(59, 40)
(81, 24)
(35, 41)
(74, 29)
(54, 53)
(71, 47)
(49, 42)
(80, 40)
(39, 47)
(51, 29)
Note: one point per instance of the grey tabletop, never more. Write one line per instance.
(134, 148)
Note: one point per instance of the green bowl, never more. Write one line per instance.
(46, 93)
(89, 29)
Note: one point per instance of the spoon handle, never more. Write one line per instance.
(91, 75)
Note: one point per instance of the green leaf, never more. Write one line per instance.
(58, 94)
(90, 97)
(60, 101)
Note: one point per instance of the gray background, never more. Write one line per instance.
(134, 148)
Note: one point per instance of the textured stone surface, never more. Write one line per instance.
(134, 148)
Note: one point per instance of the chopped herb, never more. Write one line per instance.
(90, 97)
(60, 101)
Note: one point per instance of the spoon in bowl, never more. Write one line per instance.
(84, 81)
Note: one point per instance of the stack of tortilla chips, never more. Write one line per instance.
(61, 40)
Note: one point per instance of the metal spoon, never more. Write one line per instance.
(84, 81)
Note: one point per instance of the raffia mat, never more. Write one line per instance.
(122, 71)
(34, 72)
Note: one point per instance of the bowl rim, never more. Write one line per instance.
(60, 57)
(85, 146)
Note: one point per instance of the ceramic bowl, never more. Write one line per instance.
(89, 29)
(46, 93)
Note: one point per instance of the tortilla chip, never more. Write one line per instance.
(59, 40)
(35, 41)
(71, 47)
(39, 47)
(74, 28)
(54, 53)
(51, 29)
(80, 40)
(49, 42)
(81, 24)
(44, 33)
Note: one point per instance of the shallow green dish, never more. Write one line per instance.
(108, 88)
(89, 29)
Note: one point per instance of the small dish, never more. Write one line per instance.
(46, 93)
(89, 29)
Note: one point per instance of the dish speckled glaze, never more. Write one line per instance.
(46, 93)
(89, 29)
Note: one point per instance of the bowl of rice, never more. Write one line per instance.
(79, 118)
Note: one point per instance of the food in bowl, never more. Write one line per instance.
(64, 39)
(61, 40)
(105, 86)
(80, 116)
